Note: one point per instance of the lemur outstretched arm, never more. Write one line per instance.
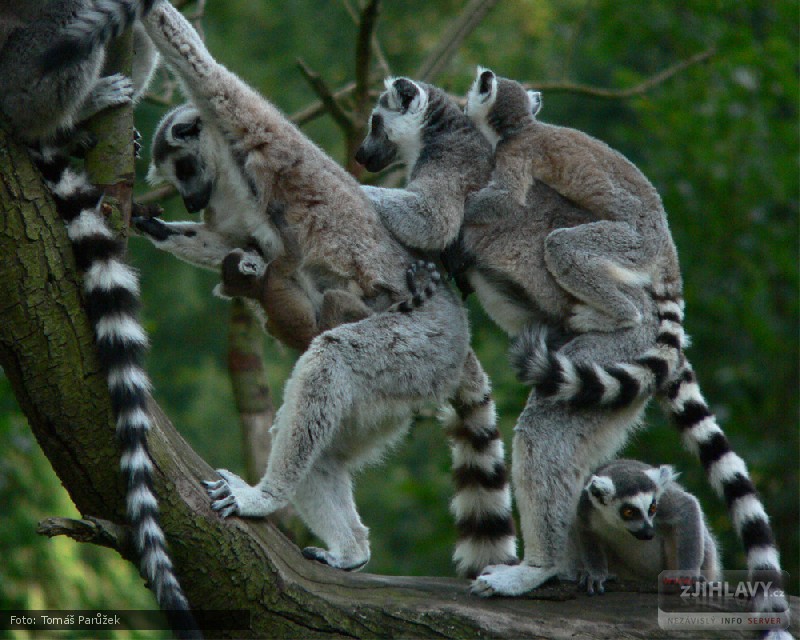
(243, 117)
(192, 242)
(413, 218)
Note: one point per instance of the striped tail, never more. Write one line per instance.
(422, 278)
(537, 362)
(482, 501)
(112, 304)
(92, 28)
(728, 476)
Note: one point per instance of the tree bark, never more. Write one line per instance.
(47, 352)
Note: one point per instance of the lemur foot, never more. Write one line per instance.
(592, 584)
(504, 580)
(112, 91)
(233, 496)
(585, 318)
(326, 557)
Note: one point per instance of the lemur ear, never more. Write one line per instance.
(185, 130)
(535, 99)
(407, 94)
(486, 80)
(663, 476)
(600, 488)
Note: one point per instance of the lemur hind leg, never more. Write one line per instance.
(351, 380)
(554, 449)
(604, 265)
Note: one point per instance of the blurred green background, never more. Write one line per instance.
(719, 141)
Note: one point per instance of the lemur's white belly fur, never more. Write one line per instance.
(510, 317)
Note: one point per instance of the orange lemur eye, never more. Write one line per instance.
(628, 513)
(652, 510)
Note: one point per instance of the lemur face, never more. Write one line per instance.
(179, 158)
(498, 106)
(631, 506)
(395, 128)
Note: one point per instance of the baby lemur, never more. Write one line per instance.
(629, 498)
(353, 391)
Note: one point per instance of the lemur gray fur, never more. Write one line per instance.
(446, 159)
(294, 311)
(41, 108)
(353, 391)
(628, 497)
(599, 398)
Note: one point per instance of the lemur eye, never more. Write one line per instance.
(185, 169)
(628, 513)
(184, 130)
(652, 510)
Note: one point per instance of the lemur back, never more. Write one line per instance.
(629, 498)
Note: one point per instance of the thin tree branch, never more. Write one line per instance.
(161, 192)
(90, 530)
(376, 45)
(328, 99)
(636, 90)
(465, 24)
(317, 108)
(364, 48)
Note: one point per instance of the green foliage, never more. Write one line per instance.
(719, 140)
(57, 573)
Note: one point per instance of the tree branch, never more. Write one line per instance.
(91, 530)
(376, 46)
(328, 99)
(465, 24)
(630, 92)
(364, 47)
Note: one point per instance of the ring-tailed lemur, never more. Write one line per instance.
(353, 391)
(570, 434)
(42, 110)
(628, 497)
(183, 153)
(446, 159)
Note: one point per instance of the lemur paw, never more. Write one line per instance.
(593, 584)
(113, 90)
(504, 580)
(233, 496)
(422, 278)
(332, 560)
(585, 318)
(153, 227)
